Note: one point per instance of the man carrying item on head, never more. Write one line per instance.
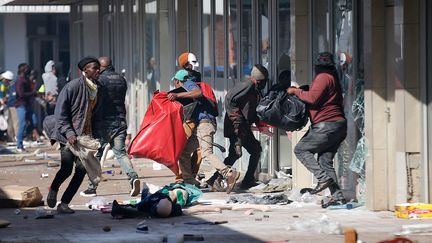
(73, 118)
(206, 111)
(328, 129)
(240, 104)
(110, 123)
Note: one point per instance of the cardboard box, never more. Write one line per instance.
(413, 210)
(20, 196)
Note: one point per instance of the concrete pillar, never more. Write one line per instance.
(301, 64)
(375, 94)
(392, 102)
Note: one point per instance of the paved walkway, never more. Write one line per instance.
(86, 225)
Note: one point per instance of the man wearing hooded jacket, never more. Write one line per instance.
(240, 104)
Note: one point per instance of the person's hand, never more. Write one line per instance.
(291, 90)
(172, 96)
(72, 139)
(127, 140)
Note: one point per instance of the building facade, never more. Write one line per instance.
(383, 51)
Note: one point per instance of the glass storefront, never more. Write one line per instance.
(333, 30)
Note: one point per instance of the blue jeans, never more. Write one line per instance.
(24, 112)
(114, 134)
(322, 139)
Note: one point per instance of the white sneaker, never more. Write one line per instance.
(136, 183)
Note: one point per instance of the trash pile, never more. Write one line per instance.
(324, 226)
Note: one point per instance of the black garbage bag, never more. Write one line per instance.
(283, 111)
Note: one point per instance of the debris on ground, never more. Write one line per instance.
(413, 210)
(42, 213)
(19, 196)
(323, 225)
(98, 203)
(201, 222)
(4, 223)
(106, 228)
(349, 205)
(142, 227)
(281, 199)
(414, 229)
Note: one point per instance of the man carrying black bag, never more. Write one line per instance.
(328, 128)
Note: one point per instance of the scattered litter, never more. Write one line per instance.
(413, 210)
(258, 219)
(44, 175)
(142, 227)
(350, 205)
(42, 213)
(4, 223)
(53, 163)
(324, 225)
(106, 228)
(30, 161)
(17, 211)
(415, 229)
(282, 175)
(98, 203)
(266, 216)
(249, 212)
(39, 155)
(109, 172)
(296, 216)
(130, 202)
(200, 222)
(25, 217)
(274, 185)
(182, 238)
(267, 199)
(301, 199)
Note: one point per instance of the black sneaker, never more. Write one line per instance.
(333, 202)
(88, 193)
(63, 208)
(52, 198)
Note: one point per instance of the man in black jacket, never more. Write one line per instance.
(110, 123)
(73, 118)
(240, 104)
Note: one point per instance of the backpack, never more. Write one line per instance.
(283, 111)
(210, 98)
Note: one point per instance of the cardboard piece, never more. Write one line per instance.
(20, 196)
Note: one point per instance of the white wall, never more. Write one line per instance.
(15, 41)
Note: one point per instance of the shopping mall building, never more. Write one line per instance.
(383, 49)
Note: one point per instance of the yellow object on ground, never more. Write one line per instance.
(413, 210)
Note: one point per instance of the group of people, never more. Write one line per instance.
(25, 101)
(93, 105)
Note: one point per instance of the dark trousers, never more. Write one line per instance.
(67, 162)
(252, 146)
(322, 139)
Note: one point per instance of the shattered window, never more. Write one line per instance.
(352, 153)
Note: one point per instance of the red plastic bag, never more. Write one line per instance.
(161, 136)
(210, 96)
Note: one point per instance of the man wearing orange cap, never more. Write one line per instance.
(205, 116)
